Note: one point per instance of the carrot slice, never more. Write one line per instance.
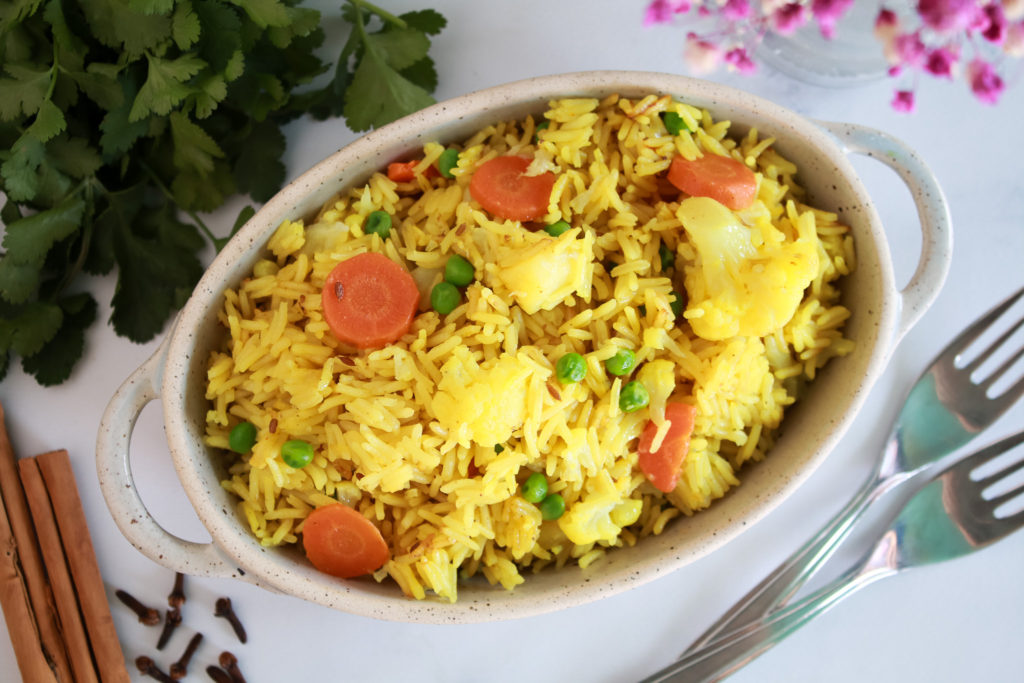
(369, 300)
(663, 466)
(402, 171)
(719, 177)
(501, 186)
(341, 542)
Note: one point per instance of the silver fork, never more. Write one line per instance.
(944, 410)
(947, 518)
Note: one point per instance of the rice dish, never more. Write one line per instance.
(434, 436)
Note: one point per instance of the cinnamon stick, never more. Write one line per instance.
(57, 570)
(23, 566)
(14, 600)
(59, 478)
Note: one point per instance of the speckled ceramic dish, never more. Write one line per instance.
(882, 313)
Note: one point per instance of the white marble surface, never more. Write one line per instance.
(954, 622)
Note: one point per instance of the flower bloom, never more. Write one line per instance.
(701, 55)
(995, 32)
(903, 100)
(661, 11)
(827, 13)
(985, 83)
(788, 18)
(948, 16)
(940, 62)
(739, 58)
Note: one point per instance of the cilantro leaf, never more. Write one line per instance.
(54, 361)
(49, 122)
(19, 169)
(26, 329)
(194, 149)
(428, 21)
(185, 25)
(259, 171)
(264, 13)
(117, 25)
(74, 156)
(99, 83)
(165, 85)
(152, 275)
(378, 95)
(399, 47)
(29, 239)
(25, 92)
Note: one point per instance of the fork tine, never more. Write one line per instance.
(993, 347)
(988, 454)
(965, 338)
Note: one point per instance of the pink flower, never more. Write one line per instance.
(903, 100)
(887, 25)
(735, 10)
(940, 62)
(827, 13)
(661, 11)
(909, 49)
(788, 18)
(701, 55)
(739, 58)
(995, 32)
(948, 16)
(985, 83)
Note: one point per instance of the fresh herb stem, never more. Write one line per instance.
(382, 13)
(189, 212)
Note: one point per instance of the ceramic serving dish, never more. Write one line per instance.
(881, 314)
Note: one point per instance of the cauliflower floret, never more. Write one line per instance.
(737, 288)
(543, 271)
(591, 519)
(482, 403)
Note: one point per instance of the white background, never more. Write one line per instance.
(954, 622)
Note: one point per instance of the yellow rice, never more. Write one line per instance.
(406, 434)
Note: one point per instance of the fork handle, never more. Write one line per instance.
(727, 654)
(779, 586)
(932, 209)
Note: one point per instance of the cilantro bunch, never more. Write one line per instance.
(122, 120)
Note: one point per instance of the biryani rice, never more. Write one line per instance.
(431, 436)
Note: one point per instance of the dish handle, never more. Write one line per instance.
(932, 210)
(118, 486)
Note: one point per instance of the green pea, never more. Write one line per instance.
(674, 123)
(448, 160)
(633, 397)
(570, 368)
(458, 271)
(622, 363)
(552, 507)
(556, 229)
(445, 297)
(499, 449)
(296, 453)
(543, 125)
(242, 437)
(378, 222)
(675, 302)
(535, 488)
(668, 257)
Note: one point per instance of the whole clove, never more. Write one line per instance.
(149, 668)
(177, 596)
(147, 615)
(218, 675)
(180, 668)
(230, 663)
(224, 609)
(172, 620)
